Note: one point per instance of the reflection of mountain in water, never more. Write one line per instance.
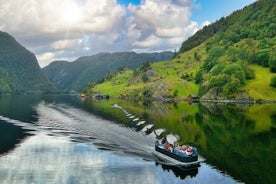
(10, 136)
(19, 107)
(242, 135)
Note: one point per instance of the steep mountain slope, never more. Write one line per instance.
(223, 60)
(237, 43)
(19, 69)
(78, 74)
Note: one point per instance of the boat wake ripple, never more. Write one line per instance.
(83, 126)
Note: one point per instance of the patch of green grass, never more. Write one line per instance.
(183, 63)
(184, 88)
(260, 88)
(114, 86)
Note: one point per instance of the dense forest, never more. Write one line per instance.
(19, 69)
(235, 57)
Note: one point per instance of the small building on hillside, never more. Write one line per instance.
(193, 97)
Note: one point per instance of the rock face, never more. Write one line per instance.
(19, 69)
(78, 74)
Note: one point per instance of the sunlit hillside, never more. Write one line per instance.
(233, 58)
(161, 80)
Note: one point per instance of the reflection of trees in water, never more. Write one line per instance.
(220, 108)
(273, 119)
(19, 107)
(176, 118)
(225, 117)
(228, 136)
(237, 142)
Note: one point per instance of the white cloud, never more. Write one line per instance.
(160, 14)
(46, 58)
(72, 28)
(64, 44)
(165, 22)
(51, 16)
(150, 41)
(205, 23)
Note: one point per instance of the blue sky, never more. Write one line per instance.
(212, 10)
(68, 29)
(126, 2)
(207, 10)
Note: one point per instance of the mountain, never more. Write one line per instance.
(240, 54)
(233, 58)
(78, 74)
(19, 69)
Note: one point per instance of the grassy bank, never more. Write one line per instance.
(260, 88)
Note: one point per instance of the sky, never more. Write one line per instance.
(68, 29)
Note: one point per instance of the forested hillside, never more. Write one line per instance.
(235, 57)
(78, 74)
(233, 44)
(19, 69)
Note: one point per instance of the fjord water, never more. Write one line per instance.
(65, 139)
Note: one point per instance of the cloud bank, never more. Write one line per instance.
(67, 29)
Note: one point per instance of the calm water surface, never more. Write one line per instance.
(63, 139)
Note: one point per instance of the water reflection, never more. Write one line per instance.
(19, 107)
(237, 139)
(57, 160)
(181, 173)
(53, 152)
(94, 137)
(243, 139)
(10, 136)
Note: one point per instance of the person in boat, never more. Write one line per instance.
(184, 150)
(166, 145)
(189, 150)
(169, 147)
(176, 147)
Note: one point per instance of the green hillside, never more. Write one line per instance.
(89, 69)
(233, 58)
(160, 80)
(19, 69)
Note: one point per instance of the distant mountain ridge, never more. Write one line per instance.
(78, 74)
(19, 69)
